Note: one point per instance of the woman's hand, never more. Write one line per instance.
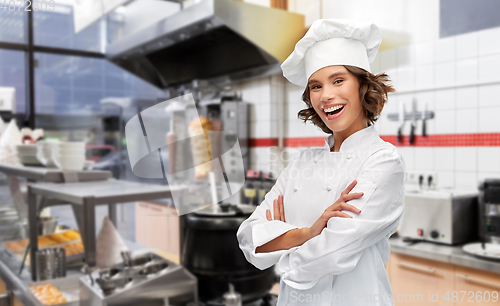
(286, 241)
(335, 210)
(279, 211)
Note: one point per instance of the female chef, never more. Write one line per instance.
(327, 221)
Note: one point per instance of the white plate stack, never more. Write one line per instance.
(28, 155)
(69, 156)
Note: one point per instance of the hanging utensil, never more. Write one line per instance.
(413, 121)
(424, 120)
(401, 120)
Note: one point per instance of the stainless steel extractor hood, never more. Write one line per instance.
(210, 39)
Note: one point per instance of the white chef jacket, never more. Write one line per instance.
(344, 265)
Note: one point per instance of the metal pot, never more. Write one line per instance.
(211, 252)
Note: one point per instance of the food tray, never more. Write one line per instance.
(68, 286)
(26, 241)
(69, 258)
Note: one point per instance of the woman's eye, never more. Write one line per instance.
(338, 81)
(315, 87)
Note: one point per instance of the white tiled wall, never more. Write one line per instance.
(257, 92)
(458, 78)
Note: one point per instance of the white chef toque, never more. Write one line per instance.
(332, 42)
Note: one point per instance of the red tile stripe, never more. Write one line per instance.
(304, 142)
(441, 140)
(263, 142)
(448, 140)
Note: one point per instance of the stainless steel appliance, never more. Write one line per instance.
(147, 280)
(229, 117)
(442, 216)
(211, 39)
(235, 125)
(489, 210)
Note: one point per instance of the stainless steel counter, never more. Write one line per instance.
(53, 175)
(443, 253)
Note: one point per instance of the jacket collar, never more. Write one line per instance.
(355, 142)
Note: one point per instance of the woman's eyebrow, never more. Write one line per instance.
(334, 75)
(310, 82)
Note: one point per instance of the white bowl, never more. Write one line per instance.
(69, 163)
(69, 151)
(44, 153)
(49, 143)
(57, 154)
(71, 145)
(68, 157)
(70, 166)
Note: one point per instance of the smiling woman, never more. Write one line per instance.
(342, 99)
(327, 221)
(372, 93)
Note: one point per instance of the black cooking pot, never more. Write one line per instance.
(211, 252)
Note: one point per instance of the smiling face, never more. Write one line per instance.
(334, 95)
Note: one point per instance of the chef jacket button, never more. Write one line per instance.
(349, 156)
(329, 188)
(296, 188)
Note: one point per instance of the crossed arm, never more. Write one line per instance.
(341, 244)
(298, 236)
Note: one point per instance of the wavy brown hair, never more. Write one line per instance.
(373, 90)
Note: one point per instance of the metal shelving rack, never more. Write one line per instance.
(84, 197)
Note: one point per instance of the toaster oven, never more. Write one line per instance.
(441, 216)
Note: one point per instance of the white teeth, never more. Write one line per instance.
(332, 109)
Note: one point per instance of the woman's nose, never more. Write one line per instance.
(327, 94)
